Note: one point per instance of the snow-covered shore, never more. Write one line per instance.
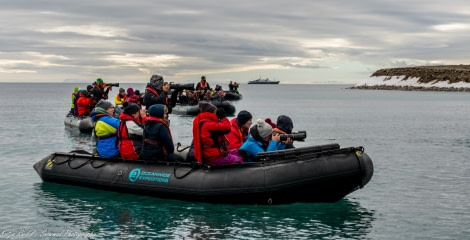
(425, 78)
(402, 82)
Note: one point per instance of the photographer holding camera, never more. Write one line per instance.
(156, 92)
(261, 139)
(284, 125)
(100, 89)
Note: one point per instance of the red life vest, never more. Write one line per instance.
(156, 93)
(129, 146)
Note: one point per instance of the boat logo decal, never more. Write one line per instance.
(49, 164)
(138, 175)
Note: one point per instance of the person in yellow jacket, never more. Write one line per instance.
(120, 97)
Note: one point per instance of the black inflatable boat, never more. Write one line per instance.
(324, 173)
(193, 110)
(82, 123)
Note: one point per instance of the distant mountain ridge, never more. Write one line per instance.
(430, 78)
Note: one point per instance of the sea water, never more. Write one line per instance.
(419, 143)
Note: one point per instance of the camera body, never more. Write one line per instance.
(181, 86)
(296, 136)
(112, 84)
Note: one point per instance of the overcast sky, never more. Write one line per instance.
(295, 41)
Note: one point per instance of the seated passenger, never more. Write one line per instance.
(105, 129)
(136, 97)
(218, 94)
(130, 134)
(84, 103)
(209, 140)
(261, 139)
(120, 97)
(239, 131)
(270, 122)
(158, 142)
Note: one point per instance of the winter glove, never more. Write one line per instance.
(220, 113)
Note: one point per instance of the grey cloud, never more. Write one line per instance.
(95, 37)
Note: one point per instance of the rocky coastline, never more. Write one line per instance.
(424, 78)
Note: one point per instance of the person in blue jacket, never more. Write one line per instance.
(261, 139)
(105, 129)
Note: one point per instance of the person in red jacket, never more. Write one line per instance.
(130, 133)
(240, 128)
(84, 103)
(210, 144)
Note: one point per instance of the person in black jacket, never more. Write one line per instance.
(156, 92)
(158, 142)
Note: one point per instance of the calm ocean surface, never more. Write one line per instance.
(419, 143)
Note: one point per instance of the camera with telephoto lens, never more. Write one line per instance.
(296, 136)
(181, 86)
(112, 84)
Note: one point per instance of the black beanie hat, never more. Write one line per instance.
(285, 123)
(207, 107)
(130, 108)
(243, 117)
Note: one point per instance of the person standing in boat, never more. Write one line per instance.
(239, 131)
(100, 90)
(156, 92)
(158, 142)
(235, 87)
(261, 139)
(120, 97)
(210, 144)
(202, 87)
(130, 133)
(73, 107)
(105, 129)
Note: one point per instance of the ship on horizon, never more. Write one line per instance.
(263, 81)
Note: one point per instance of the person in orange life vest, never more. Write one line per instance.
(130, 133)
(120, 97)
(85, 103)
(284, 125)
(240, 128)
(105, 129)
(203, 84)
(100, 90)
(158, 142)
(203, 88)
(210, 144)
(156, 92)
